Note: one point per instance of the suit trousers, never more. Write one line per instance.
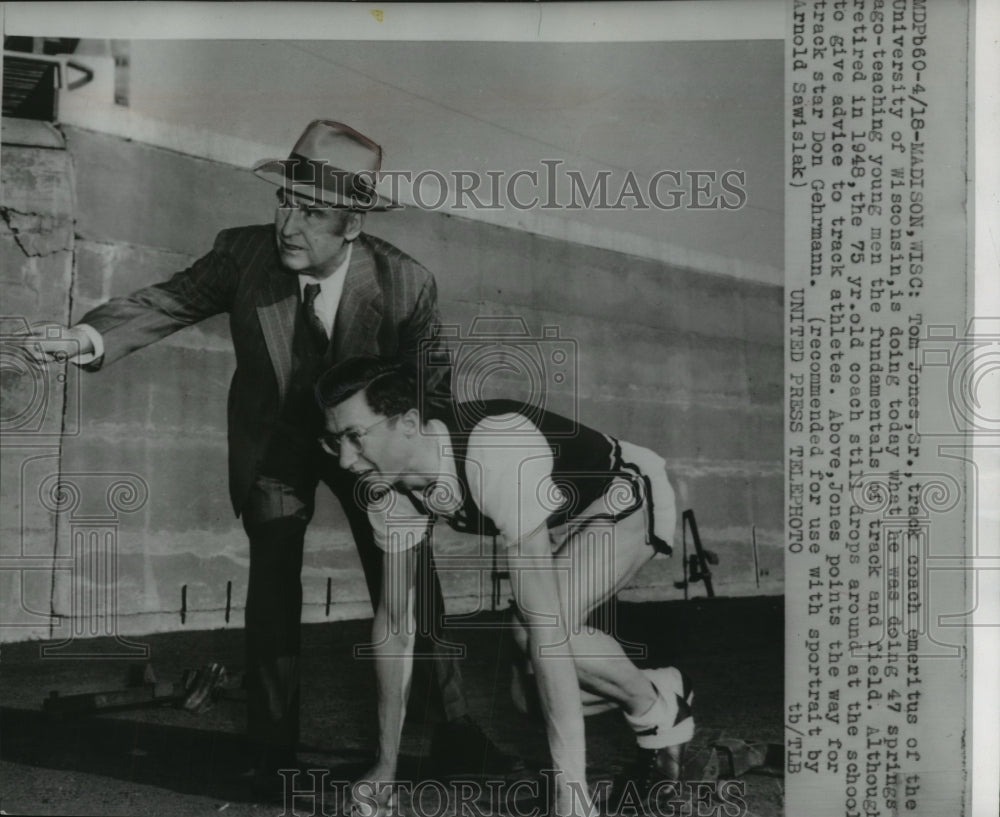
(275, 518)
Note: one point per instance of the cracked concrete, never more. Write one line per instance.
(39, 234)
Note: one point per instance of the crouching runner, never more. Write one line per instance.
(579, 513)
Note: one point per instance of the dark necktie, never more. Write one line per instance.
(317, 332)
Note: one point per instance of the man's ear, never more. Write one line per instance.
(353, 222)
(410, 422)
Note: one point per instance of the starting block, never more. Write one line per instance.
(697, 563)
(737, 757)
(714, 756)
(197, 691)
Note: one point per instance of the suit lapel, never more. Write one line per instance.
(276, 304)
(359, 314)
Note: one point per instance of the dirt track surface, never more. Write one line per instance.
(165, 761)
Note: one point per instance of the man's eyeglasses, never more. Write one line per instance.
(332, 442)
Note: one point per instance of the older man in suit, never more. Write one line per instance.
(302, 294)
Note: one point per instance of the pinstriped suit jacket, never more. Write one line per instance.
(387, 307)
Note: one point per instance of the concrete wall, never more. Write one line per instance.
(36, 267)
(684, 362)
(496, 107)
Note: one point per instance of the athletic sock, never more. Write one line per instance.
(668, 721)
(650, 727)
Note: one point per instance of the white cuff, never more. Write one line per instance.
(96, 341)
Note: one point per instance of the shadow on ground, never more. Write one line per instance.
(165, 761)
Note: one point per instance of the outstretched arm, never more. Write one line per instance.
(127, 323)
(400, 531)
(130, 322)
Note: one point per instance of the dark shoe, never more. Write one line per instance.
(659, 768)
(266, 787)
(652, 776)
(654, 785)
(459, 748)
(276, 777)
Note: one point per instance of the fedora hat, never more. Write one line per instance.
(332, 163)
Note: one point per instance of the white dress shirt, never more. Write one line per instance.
(330, 290)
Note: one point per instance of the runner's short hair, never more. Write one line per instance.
(389, 386)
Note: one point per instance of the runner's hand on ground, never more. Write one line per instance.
(372, 794)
